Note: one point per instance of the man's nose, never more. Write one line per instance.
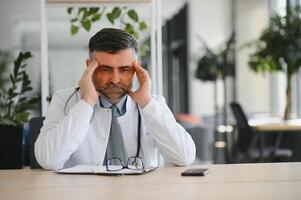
(115, 77)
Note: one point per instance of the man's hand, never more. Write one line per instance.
(87, 88)
(142, 96)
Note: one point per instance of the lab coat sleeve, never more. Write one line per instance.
(174, 143)
(62, 134)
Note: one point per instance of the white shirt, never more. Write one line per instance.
(80, 135)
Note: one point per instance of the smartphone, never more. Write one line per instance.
(195, 172)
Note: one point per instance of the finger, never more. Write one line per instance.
(138, 67)
(93, 64)
(91, 68)
(135, 65)
(142, 74)
(130, 93)
(139, 63)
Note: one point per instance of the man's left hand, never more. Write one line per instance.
(142, 96)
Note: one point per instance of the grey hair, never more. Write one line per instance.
(112, 40)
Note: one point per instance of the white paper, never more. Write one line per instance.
(94, 169)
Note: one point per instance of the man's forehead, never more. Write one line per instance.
(128, 52)
(115, 66)
(121, 59)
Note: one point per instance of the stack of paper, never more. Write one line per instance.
(94, 169)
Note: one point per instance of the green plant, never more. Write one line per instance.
(14, 103)
(84, 17)
(211, 65)
(279, 49)
(5, 58)
(145, 52)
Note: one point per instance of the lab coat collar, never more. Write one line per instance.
(121, 105)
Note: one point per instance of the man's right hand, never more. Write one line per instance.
(87, 88)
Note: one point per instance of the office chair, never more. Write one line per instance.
(35, 124)
(246, 147)
(198, 133)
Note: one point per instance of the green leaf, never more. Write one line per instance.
(22, 67)
(73, 20)
(142, 25)
(116, 12)
(86, 14)
(110, 18)
(74, 29)
(7, 122)
(28, 104)
(27, 55)
(136, 34)
(26, 89)
(81, 9)
(86, 24)
(129, 28)
(18, 79)
(94, 10)
(22, 99)
(96, 17)
(13, 95)
(21, 117)
(18, 61)
(11, 78)
(133, 15)
(69, 10)
(16, 68)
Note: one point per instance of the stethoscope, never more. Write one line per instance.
(139, 119)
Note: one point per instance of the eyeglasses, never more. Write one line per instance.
(133, 163)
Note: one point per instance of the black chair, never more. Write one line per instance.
(35, 124)
(246, 146)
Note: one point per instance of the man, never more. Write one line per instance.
(99, 120)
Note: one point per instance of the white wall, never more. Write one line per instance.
(252, 89)
(171, 8)
(212, 21)
(13, 14)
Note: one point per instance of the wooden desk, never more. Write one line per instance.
(274, 125)
(235, 181)
(283, 127)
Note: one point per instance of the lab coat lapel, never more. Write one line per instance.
(129, 123)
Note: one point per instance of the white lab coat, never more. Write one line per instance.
(80, 134)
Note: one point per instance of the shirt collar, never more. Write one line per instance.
(121, 105)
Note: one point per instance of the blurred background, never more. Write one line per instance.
(225, 71)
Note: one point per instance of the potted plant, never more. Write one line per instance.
(279, 49)
(213, 66)
(14, 113)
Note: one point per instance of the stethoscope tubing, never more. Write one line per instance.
(139, 119)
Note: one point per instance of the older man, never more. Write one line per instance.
(104, 120)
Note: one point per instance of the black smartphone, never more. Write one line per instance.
(195, 172)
